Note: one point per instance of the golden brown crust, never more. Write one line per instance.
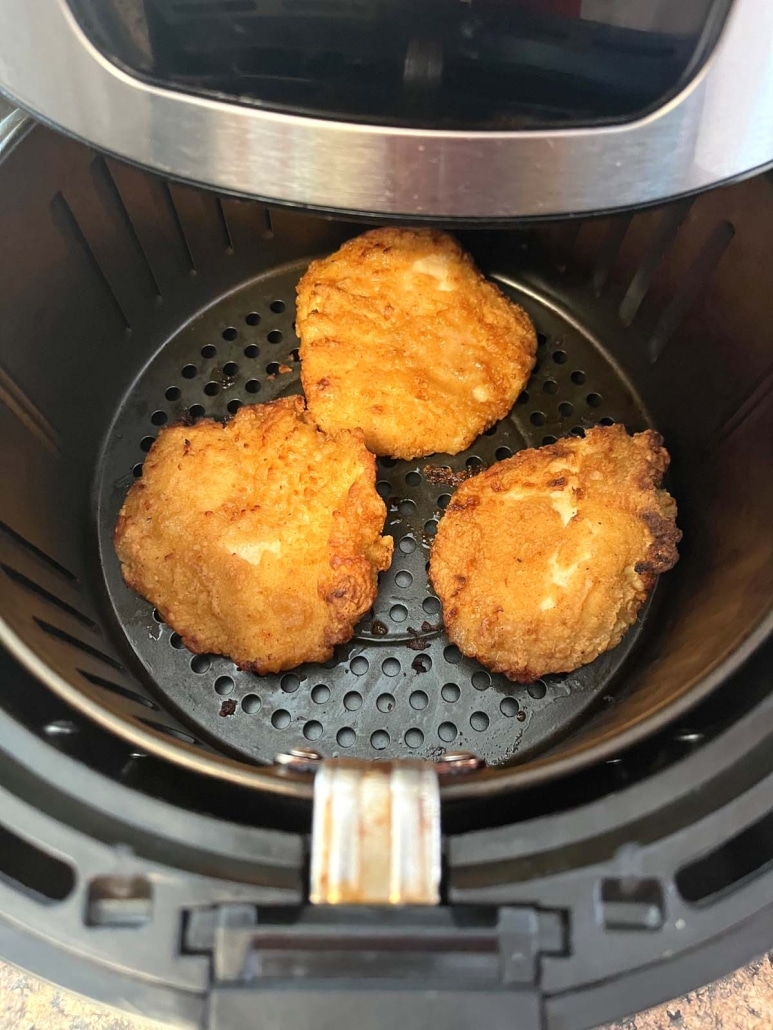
(258, 539)
(402, 336)
(543, 561)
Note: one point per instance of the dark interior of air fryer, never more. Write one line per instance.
(131, 303)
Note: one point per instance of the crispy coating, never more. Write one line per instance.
(543, 561)
(258, 539)
(402, 336)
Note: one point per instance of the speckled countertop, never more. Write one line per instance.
(742, 1001)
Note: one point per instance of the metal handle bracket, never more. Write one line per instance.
(375, 836)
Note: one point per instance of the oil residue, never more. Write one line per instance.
(444, 475)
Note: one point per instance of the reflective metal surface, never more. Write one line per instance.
(718, 128)
(439, 64)
(376, 834)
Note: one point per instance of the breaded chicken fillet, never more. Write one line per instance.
(543, 561)
(403, 337)
(259, 539)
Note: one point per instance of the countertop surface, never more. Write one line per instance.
(741, 1001)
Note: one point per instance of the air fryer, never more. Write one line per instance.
(607, 835)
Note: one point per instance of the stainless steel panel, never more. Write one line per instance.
(720, 127)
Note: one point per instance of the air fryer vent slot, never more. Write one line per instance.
(726, 868)
(41, 555)
(45, 595)
(44, 877)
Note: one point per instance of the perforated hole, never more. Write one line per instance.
(353, 701)
(230, 334)
(173, 393)
(275, 336)
(565, 409)
(176, 641)
(444, 500)
(560, 357)
(234, 405)
(379, 740)
(208, 351)
(390, 667)
(290, 683)
(452, 654)
(253, 318)
(407, 507)
(159, 418)
(479, 721)
(509, 707)
(474, 462)
(224, 685)
(280, 718)
(550, 386)
(251, 351)
(502, 453)
(146, 443)
(312, 730)
(481, 680)
(430, 527)
(188, 371)
(431, 606)
(547, 440)
(407, 545)
(200, 663)
(450, 692)
(359, 665)
(277, 306)
(272, 368)
(398, 613)
(230, 368)
(418, 700)
(447, 731)
(196, 411)
(320, 694)
(412, 478)
(251, 703)
(403, 579)
(212, 389)
(577, 377)
(414, 737)
(537, 418)
(606, 421)
(421, 663)
(346, 736)
(385, 702)
(252, 386)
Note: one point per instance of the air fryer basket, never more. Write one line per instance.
(617, 850)
(130, 302)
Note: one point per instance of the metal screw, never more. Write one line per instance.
(301, 758)
(458, 761)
